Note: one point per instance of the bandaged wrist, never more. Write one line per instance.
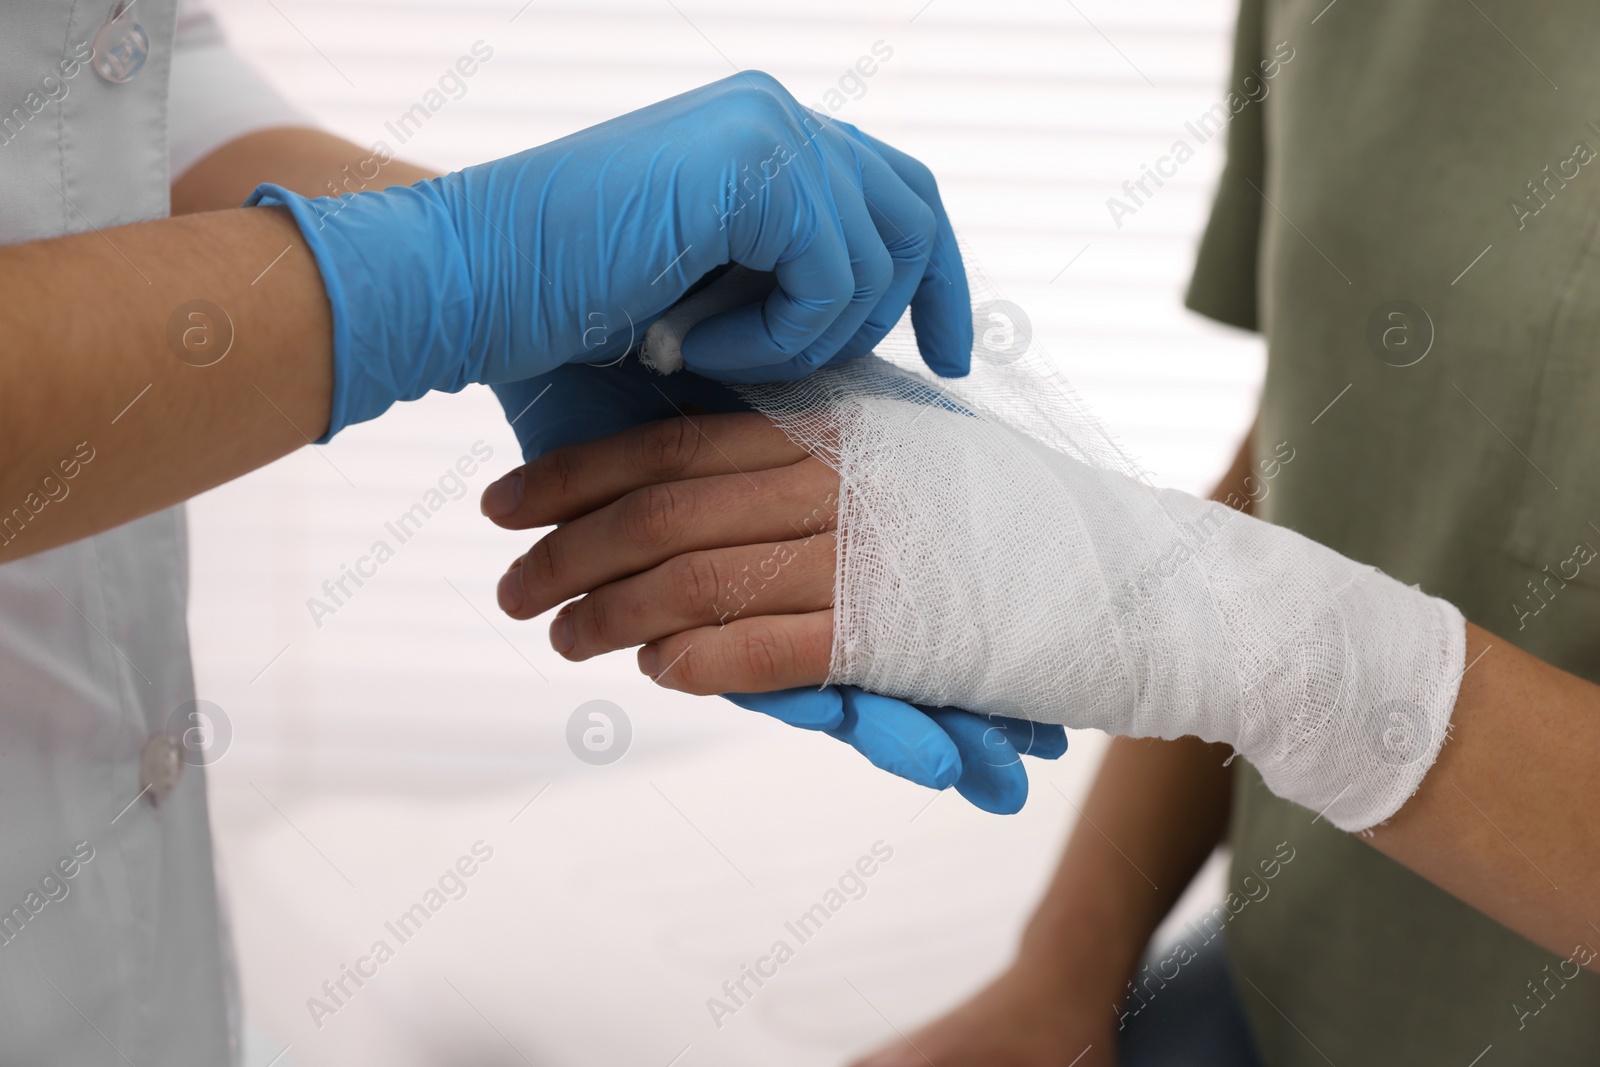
(987, 565)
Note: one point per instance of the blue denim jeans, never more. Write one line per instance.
(1191, 1019)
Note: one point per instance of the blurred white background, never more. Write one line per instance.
(371, 752)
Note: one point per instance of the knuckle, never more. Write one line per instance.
(927, 227)
(754, 113)
(918, 237)
(667, 448)
(919, 177)
(761, 651)
(759, 88)
(875, 273)
(592, 623)
(692, 675)
(852, 132)
(697, 581)
(650, 513)
(559, 471)
(543, 564)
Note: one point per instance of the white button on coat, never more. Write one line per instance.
(121, 45)
(160, 766)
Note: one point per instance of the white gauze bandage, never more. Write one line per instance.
(998, 553)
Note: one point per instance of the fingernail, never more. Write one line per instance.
(561, 636)
(503, 497)
(650, 660)
(509, 592)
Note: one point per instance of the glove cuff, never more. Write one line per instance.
(398, 288)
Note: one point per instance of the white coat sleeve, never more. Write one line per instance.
(216, 96)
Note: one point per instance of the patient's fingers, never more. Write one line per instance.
(698, 589)
(651, 525)
(756, 655)
(567, 482)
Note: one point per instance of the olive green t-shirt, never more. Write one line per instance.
(1409, 215)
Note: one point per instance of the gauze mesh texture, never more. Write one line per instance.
(997, 552)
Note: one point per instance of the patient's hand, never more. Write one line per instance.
(708, 540)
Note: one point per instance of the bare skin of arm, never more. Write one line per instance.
(86, 323)
(1504, 820)
(1508, 819)
(308, 161)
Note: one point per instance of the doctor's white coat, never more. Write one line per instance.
(112, 945)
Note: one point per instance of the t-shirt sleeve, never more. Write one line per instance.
(215, 95)
(1223, 286)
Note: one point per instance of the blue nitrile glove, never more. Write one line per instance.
(566, 252)
(936, 747)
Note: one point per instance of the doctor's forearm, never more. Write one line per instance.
(104, 340)
(308, 161)
(97, 324)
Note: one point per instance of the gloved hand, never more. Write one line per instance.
(934, 747)
(568, 251)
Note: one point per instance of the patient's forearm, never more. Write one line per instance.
(1508, 819)
(1153, 815)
